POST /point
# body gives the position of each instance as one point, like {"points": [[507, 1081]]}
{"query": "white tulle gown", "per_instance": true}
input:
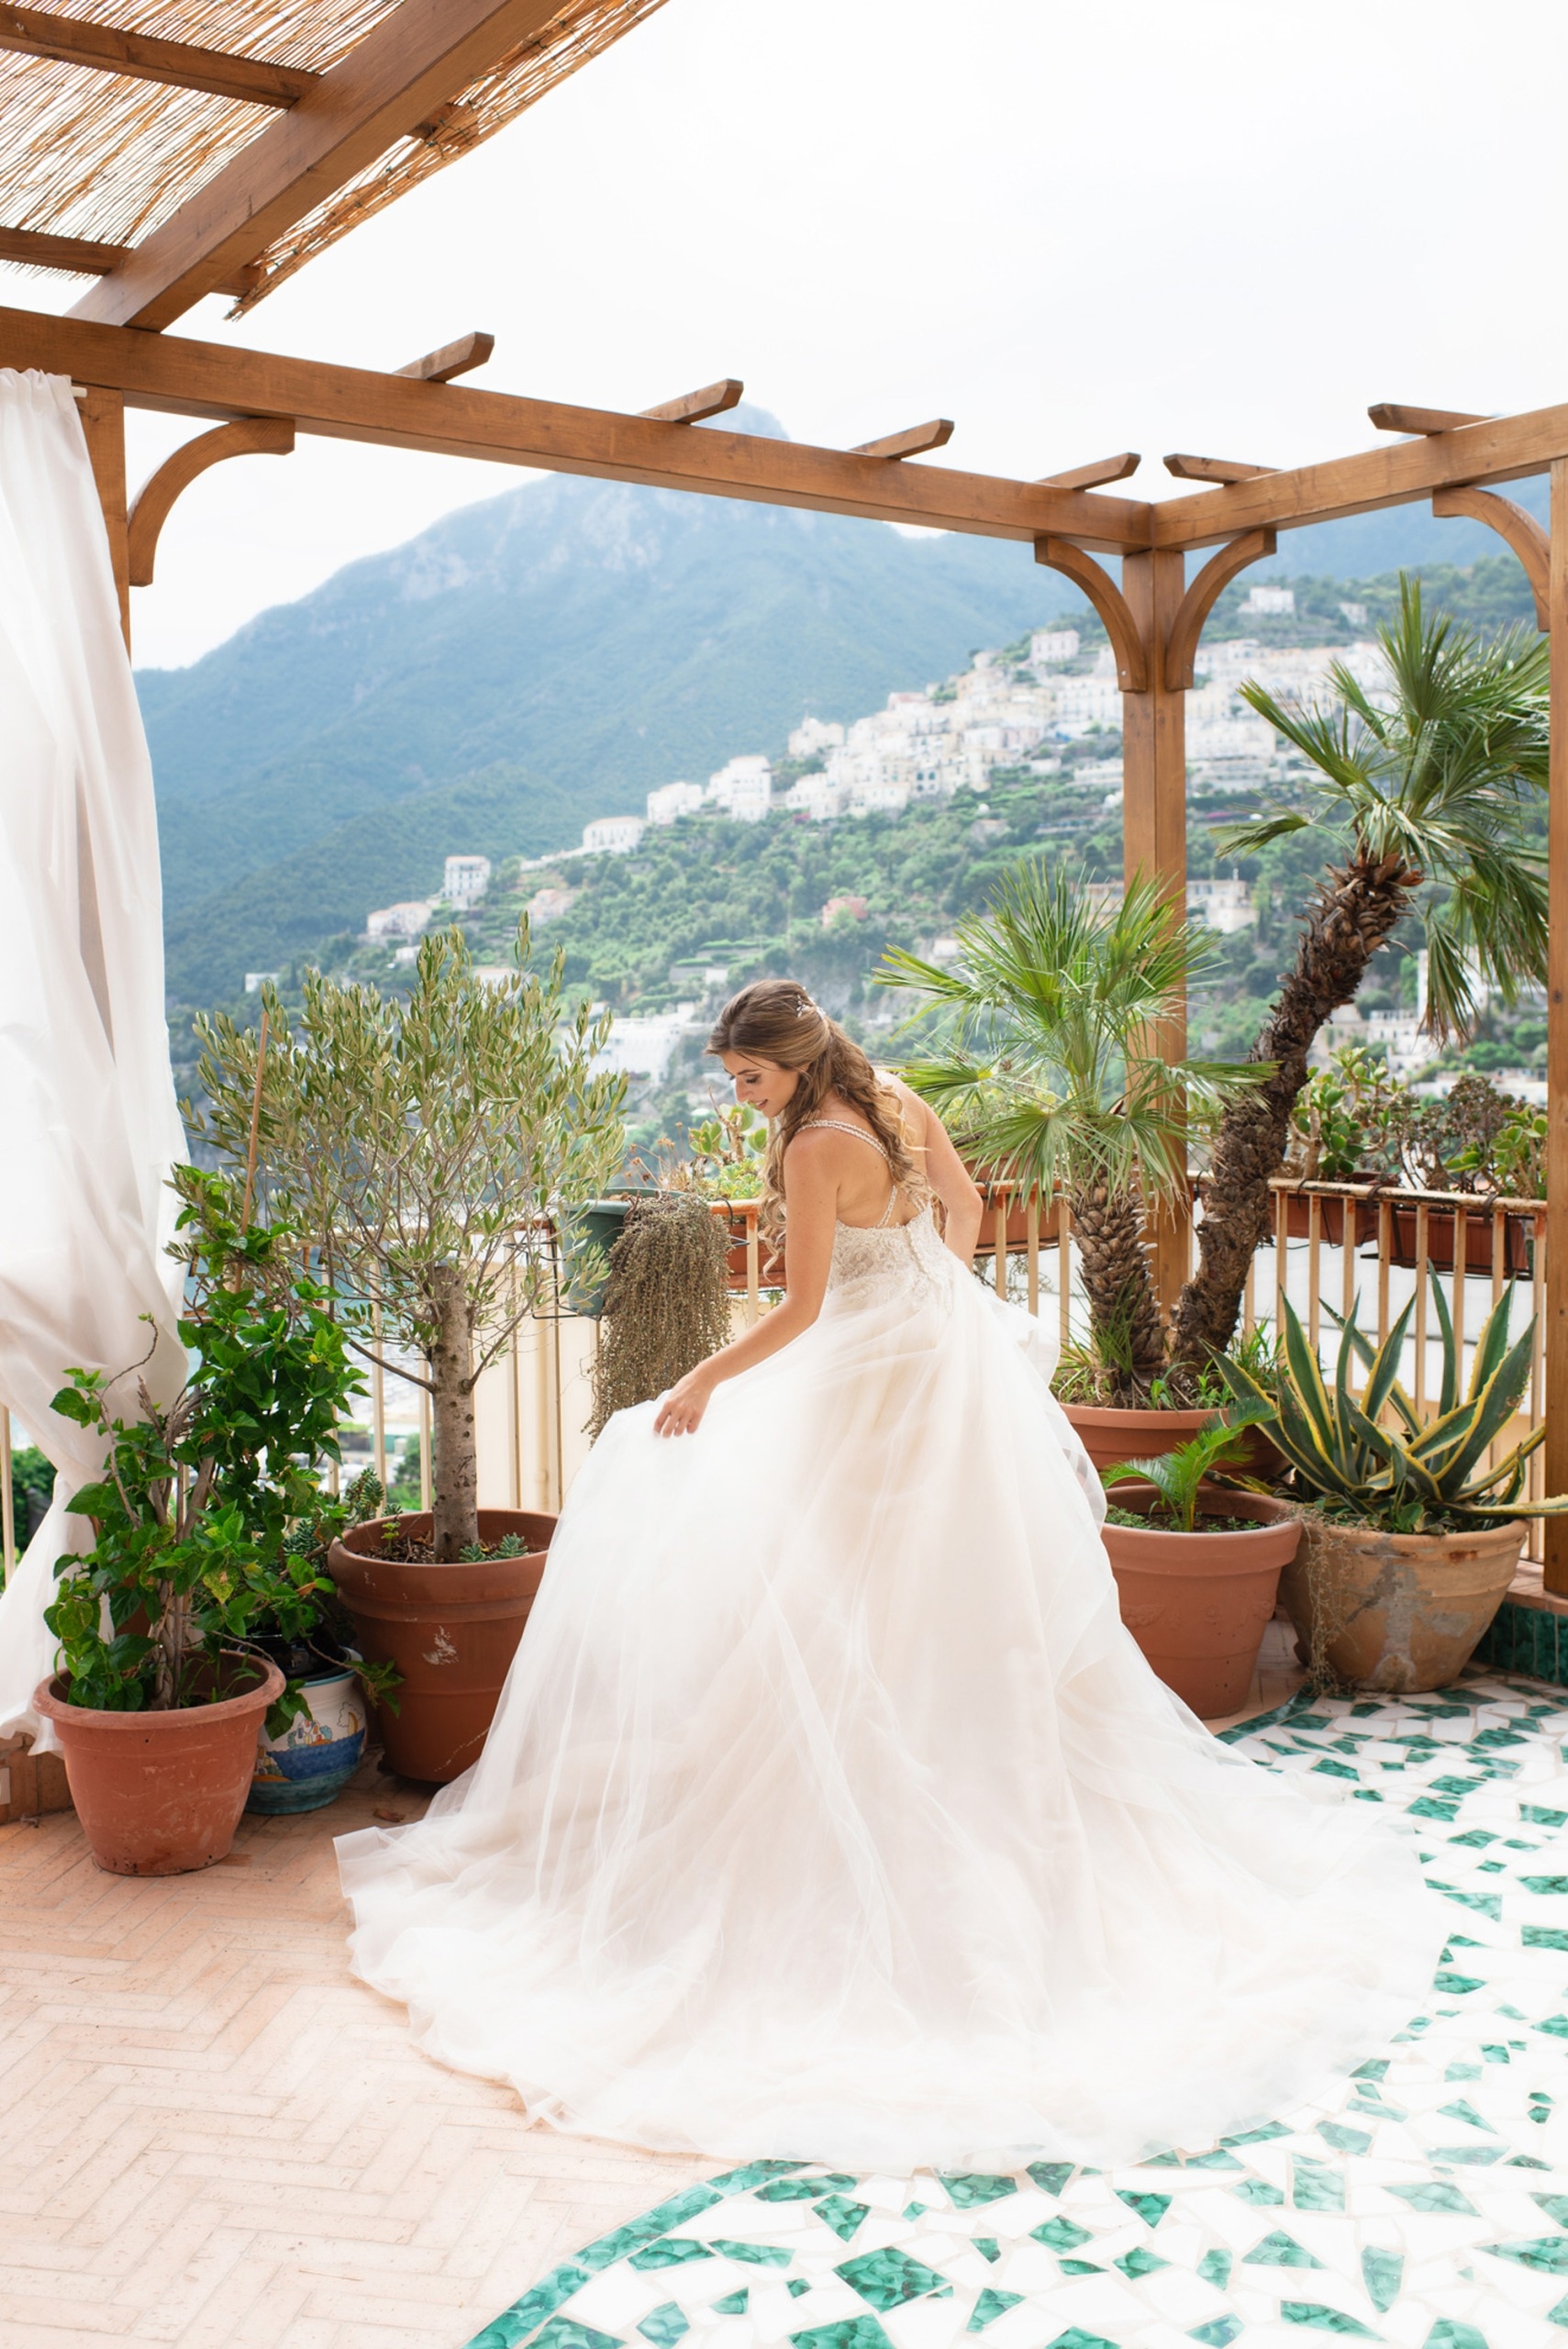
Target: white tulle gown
{"points": [[831, 1813]]}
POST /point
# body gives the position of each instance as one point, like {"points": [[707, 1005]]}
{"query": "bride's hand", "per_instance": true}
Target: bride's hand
{"points": [[682, 1409]]}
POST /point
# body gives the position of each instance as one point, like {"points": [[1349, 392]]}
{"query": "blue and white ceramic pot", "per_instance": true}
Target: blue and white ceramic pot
{"points": [[319, 1751]]}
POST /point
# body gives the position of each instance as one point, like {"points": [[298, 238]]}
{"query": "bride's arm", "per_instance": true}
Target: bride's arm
{"points": [[811, 1197]]}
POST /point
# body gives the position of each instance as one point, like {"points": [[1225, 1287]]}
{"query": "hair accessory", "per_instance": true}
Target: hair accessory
{"points": [[805, 1005]]}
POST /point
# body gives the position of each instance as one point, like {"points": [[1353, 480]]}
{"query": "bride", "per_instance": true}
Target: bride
{"points": [[829, 1812]]}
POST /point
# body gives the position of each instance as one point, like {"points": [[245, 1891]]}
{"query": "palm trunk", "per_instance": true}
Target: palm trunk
{"points": [[1131, 1340], [1354, 911], [455, 1469]]}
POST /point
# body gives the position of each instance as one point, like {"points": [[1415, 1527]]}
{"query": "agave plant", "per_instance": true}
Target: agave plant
{"points": [[1416, 1476]]}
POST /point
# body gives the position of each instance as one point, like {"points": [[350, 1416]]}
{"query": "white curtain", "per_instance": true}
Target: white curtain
{"points": [[88, 1121]]}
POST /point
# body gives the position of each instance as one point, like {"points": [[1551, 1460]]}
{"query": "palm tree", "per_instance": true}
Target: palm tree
{"points": [[1429, 792], [1051, 1074]]}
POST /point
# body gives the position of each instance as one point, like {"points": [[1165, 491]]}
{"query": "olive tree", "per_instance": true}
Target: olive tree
{"points": [[432, 1151]]}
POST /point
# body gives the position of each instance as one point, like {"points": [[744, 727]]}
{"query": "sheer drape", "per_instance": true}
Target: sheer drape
{"points": [[90, 1122]]}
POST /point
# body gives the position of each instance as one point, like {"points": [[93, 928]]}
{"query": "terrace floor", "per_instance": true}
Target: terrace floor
{"points": [[216, 2137]]}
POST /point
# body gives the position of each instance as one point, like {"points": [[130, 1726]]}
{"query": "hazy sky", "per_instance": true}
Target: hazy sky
{"points": [[1165, 224]]}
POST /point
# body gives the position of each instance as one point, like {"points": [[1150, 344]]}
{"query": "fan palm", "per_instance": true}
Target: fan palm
{"points": [[1048, 1072], [1428, 791]]}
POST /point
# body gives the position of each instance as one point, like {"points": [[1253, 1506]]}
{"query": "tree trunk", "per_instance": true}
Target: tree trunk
{"points": [[455, 1469], [1129, 1331], [1351, 914]]}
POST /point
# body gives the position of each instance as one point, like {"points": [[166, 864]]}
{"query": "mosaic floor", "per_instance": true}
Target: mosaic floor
{"points": [[1427, 2207]]}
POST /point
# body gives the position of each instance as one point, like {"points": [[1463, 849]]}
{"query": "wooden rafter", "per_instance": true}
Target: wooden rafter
{"points": [[1095, 475], [189, 378], [401, 75], [252, 436], [81, 257], [911, 442], [1389, 417], [459, 358], [692, 407], [1217, 469], [113, 49]]}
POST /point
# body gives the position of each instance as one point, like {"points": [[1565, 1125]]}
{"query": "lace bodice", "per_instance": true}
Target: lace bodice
{"points": [[875, 1262]]}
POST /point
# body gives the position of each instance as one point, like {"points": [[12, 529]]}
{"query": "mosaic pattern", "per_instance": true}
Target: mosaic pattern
{"points": [[1532, 1640], [1427, 2206]]}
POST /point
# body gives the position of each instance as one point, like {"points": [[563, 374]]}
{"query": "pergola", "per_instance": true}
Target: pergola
{"points": [[222, 162]]}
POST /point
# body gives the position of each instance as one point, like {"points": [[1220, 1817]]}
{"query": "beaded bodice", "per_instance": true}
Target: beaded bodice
{"points": [[876, 1263]]}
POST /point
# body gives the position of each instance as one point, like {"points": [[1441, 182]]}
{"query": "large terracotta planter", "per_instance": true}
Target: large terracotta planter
{"points": [[1405, 1611], [1197, 1603], [451, 1630], [161, 1794], [1110, 1436]]}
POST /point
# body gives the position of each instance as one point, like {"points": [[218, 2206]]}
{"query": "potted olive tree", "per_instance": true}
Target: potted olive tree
{"points": [[1045, 1062], [436, 1151], [1410, 1531], [162, 1687]]}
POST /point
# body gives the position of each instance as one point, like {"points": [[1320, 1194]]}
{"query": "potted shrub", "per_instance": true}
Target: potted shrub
{"points": [[1429, 792], [161, 1692], [1197, 1565], [436, 1151], [1047, 1021], [1409, 1541]]}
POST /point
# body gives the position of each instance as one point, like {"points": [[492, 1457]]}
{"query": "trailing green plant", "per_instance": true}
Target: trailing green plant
{"points": [[192, 1516], [1043, 1057], [436, 1151], [1428, 792], [1370, 1460], [1178, 1476], [667, 1303]]}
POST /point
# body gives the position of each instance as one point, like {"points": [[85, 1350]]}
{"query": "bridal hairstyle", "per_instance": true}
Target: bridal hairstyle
{"points": [[777, 1020]]}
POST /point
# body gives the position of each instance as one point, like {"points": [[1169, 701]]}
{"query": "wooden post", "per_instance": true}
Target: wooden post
{"points": [[1155, 824], [1555, 1464], [103, 421]]}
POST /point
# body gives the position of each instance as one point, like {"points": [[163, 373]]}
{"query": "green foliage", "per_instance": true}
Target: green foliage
{"points": [[192, 1516], [1407, 1478], [1177, 1476], [32, 1488], [1438, 784], [725, 1155], [1344, 1116], [1044, 1032]]}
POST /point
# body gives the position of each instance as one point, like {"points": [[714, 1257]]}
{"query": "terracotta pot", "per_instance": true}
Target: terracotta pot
{"points": [[1110, 1436], [1405, 1610], [1017, 1230], [1197, 1603], [1443, 1240], [770, 1266], [1331, 1216], [451, 1630], [160, 1794]]}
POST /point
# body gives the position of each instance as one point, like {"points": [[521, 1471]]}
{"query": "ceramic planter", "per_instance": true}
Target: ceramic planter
{"points": [[1110, 1436], [161, 1794], [1405, 1611], [319, 1751], [451, 1630], [1197, 1603]]}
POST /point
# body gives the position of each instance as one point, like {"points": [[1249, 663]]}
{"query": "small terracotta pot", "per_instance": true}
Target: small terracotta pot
{"points": [[1197, 1603], [451, 1630], [161, 1794], [1110, 1436], [1405, 1610]]}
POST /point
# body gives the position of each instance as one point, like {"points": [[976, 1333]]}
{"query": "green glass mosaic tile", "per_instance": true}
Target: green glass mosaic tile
{"points": [[1382, 2273], [1059, 2234], [760, 2254], [1218, 2333], [1280, 2250], [1150, 2207], [1215, 2269], [850, 2332], [733, 2303], [971, 2188], [842, 2216], [565, 2332], [1550, 2254], [674, 2252], [1324, 2319], [664, 2326], [988, 2247], [1140, 2262], [888, 2278], [1051, 2177], [990, 2305], [1453, 2333]]}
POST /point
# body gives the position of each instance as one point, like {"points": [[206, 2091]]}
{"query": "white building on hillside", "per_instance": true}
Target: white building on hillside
{"points": [[1263, 598], [465, 881], [817, 795], [403, 920], [548, 903], [672, 800], [1225, 906], [743, 787], [613, 835], [1048, 646], [814, 735]]}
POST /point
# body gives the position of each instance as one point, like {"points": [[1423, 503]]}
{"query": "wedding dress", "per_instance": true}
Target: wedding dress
{"points": [[831, 1813]]}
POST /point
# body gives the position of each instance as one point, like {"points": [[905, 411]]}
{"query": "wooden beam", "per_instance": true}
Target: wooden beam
{"points": [[83, 258], [253, 435], [935, 435], [1126, 642], [102, 422], [1389, 417], [1499, 449], [459, 358], [692, 407], [1094, 475], [1555, 1334], [1519, 529], [189, 378], [419, 56], [79, 40], [1220, 469], [1186, 629]]}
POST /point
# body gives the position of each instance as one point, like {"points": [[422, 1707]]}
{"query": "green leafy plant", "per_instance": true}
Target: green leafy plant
{"points": [[1045, 1061], [1429, 793], [1178, 1476], [434, 1151], [1409, 1476], [191, 1515], [1349, 1118]]}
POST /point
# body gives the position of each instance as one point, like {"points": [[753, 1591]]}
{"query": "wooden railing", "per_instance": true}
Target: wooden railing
{"points": [[531, 1405]]}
